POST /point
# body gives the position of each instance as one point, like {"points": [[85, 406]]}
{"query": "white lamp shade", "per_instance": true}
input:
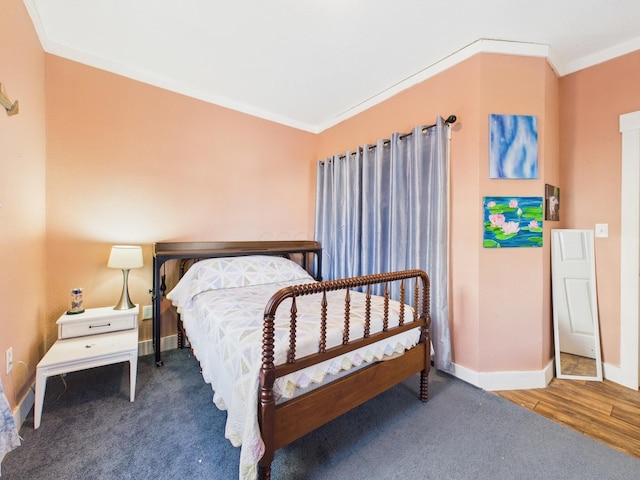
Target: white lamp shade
{"points": [[125, 257]]}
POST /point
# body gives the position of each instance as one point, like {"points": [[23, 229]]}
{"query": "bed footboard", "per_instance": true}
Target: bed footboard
{"points": [[281, 424]]}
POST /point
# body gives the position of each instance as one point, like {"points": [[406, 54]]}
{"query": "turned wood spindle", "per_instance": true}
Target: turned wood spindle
{"points": [[367, 313], [323, 323], [291, 357], [347, 320]]}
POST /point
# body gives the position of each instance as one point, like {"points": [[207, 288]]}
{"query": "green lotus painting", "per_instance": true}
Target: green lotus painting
{"points": [[513, 222]]}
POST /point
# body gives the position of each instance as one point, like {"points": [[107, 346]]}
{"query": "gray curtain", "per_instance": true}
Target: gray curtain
{"points": [[384, 208]]}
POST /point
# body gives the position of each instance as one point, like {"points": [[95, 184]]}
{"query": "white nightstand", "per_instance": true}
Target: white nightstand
{"points": [[96, 337]]}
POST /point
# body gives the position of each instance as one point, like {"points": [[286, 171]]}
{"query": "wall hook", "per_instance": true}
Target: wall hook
{"points": [[12, 108]]}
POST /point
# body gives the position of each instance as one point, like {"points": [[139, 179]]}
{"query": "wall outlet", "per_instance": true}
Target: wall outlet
{"points": [[602, 230], [9, 358], [147, 312]]}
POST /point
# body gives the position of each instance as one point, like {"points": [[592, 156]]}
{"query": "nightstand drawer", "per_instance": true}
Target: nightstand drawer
{"points": [[97, 320]]}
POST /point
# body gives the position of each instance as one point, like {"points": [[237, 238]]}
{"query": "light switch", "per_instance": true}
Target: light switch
{"points": [[602, 230]]}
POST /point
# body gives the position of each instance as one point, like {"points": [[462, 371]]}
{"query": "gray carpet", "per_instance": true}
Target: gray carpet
{"points": [[172, 430]]}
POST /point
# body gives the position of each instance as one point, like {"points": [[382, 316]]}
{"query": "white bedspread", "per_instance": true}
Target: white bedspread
{"points": [[224, 327]]}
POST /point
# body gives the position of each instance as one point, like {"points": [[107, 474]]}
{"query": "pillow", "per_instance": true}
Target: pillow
{"points": [[232, 272], [180, 293]]}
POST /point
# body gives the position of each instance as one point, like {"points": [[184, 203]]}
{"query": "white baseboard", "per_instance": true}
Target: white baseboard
{"points": [[24, 407], [614, 374], [524, 380], [512, 380], [166, 343]]}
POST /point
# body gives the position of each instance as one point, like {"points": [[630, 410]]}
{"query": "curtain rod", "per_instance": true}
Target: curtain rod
{"points": [[450, 119]]}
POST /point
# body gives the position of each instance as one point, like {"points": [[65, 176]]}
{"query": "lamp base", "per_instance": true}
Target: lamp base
{"points": [[125, 302]]}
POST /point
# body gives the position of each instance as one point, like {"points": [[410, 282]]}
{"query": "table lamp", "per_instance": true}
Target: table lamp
{"points": [[125, 257]]}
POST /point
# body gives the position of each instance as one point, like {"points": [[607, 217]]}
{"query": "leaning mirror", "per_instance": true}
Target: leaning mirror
{"points": [[575, 308]]}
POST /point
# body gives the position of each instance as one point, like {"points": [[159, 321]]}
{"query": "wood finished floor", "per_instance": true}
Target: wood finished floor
{"points": [[604, 411]]}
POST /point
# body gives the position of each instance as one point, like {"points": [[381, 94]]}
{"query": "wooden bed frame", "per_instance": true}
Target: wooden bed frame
{"points": [[281, 424]]}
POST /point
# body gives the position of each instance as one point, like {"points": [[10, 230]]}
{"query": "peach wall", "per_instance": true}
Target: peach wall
{"points": [[500, 315], [131, 163], [592, 102], [514, 283], [22, 186]]}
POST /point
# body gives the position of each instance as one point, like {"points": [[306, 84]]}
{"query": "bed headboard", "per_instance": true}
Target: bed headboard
{"points": [[165, 251]]}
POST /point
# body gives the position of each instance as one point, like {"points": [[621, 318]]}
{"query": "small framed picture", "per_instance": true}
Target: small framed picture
{"points": [[552, 202]]}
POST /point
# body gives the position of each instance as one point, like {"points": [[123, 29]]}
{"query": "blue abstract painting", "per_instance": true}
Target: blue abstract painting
{"points": [[513, 146], [512, 222]]}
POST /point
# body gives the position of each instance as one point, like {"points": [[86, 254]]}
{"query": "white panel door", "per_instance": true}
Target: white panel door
{"points": [[574, 292]]}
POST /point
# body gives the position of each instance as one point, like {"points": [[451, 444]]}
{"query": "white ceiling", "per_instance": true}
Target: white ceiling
{"points": [[311, 64]]}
